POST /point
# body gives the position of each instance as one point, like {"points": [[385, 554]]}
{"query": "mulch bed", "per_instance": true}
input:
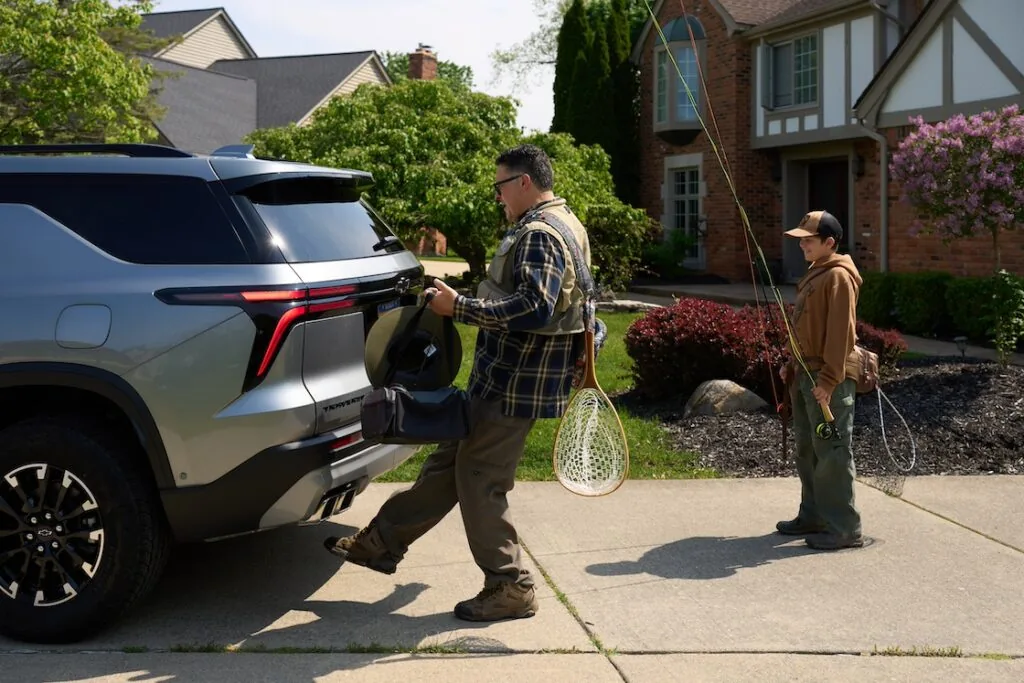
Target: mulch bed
{"points": [[967, 417]]}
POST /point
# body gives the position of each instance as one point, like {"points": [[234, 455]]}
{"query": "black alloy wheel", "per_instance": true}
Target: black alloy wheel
{"points": [[51, 535]]}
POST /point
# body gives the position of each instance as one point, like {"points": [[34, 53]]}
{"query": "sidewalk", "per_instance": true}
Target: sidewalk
{"points": [[660, 581]]}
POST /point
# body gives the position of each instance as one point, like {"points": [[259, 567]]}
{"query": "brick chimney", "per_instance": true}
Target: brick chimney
{"points": [[423, 64]]}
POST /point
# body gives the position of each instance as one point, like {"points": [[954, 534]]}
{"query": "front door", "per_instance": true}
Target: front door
{"points": [[828, 189]]}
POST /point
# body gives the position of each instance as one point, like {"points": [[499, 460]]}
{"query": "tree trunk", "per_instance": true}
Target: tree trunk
{"points": [[995, 248]]}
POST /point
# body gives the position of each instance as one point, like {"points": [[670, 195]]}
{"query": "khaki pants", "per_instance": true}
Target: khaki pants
{"points": [[826, 468], [476, 473]]}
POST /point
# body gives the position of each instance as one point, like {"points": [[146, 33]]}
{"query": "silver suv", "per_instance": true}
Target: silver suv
{"points": [[182, 360]]}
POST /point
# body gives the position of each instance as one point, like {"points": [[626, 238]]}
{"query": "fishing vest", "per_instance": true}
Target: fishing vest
{"points": [[500, 281]]}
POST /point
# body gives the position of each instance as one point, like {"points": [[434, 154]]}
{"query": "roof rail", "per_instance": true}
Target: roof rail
{"points": [[127, 149], [243, 151]]}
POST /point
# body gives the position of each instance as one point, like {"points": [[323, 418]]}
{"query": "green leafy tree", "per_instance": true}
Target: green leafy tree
{"points": [[431, 148], [618, 233], [397, 65], [70, 71]]}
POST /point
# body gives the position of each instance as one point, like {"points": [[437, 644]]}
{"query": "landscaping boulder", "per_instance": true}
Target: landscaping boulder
{"points": [[625, 306], [722, 397]]}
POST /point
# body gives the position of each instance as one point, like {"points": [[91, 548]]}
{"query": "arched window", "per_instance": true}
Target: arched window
{"points": [[677, 106]]}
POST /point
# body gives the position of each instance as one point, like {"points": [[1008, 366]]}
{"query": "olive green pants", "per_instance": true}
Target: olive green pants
{"points": [[476, 473], [826, 467]]}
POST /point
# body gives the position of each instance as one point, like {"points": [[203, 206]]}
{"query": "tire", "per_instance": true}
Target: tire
{"points": [[83, 461]]}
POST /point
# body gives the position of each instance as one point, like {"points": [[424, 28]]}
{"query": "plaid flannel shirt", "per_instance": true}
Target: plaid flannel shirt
{"points": [[532, 373]]}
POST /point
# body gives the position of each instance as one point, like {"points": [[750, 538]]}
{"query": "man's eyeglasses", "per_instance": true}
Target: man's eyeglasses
{"points": [[497, 185]]}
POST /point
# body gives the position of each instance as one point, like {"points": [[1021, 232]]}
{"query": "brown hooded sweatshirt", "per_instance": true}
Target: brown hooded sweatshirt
{"points": [[826, 318]]}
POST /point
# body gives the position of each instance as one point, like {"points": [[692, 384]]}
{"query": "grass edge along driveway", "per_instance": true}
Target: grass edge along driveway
{"points": [[651, 454]]}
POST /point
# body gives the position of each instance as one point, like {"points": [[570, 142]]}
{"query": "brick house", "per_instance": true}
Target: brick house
{"points": [[807, 97]]}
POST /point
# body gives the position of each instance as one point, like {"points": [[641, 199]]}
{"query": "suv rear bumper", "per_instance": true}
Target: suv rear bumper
{"points": [[302, 481]]}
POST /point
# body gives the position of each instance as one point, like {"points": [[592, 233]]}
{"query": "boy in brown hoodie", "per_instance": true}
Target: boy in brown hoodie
{"points": [[825, 328]]}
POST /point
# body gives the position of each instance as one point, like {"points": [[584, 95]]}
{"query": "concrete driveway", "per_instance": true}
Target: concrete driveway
{"points": [[661, 581]]}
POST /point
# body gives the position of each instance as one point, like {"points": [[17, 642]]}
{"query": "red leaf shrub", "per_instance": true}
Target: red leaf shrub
{"points": [[888, 344], [677, 348]]}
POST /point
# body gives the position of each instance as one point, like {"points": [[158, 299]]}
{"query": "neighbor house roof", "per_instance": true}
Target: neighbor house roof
{"points": [[298, 83], [167, 24], [184, 22], [204, 109]]}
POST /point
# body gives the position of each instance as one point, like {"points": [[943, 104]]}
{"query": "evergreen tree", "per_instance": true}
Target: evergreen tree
{"points": [[625, 133], [599, 127], [573, 40]]}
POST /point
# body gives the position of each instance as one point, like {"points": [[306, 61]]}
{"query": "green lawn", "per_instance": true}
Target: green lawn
{"points": [[650, 453]]}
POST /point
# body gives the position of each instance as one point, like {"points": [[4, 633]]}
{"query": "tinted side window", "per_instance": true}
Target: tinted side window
{"points": [[318, 219], [145, 219]]}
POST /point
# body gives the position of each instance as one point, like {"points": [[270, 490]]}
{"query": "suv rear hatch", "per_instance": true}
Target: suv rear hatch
{"points": [[354, 269]]}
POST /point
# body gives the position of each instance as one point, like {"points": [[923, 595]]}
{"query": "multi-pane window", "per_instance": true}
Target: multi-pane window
{"points": [[685, 206], [793, 70], [662, 88], [686, 58], [678, 102], [805, 70]]}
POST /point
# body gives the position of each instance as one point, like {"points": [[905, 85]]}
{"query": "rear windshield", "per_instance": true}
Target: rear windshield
{"points": [[320, 219]]}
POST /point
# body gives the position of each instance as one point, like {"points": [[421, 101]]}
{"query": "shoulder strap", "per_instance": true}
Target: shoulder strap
{"points": [[582, 271]]}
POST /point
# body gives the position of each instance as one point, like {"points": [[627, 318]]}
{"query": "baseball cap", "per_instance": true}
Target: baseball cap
{"points": [[818, 224]]}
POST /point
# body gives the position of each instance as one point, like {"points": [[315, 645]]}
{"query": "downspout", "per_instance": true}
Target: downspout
{"points": [[883, 176], [883, 165]]}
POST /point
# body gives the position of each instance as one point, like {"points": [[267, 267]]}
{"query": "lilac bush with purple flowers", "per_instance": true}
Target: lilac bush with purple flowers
{"points": [[965, 175]]}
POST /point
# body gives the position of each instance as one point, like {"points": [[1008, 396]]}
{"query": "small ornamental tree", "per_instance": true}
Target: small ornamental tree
{"points": [[965, 175]]}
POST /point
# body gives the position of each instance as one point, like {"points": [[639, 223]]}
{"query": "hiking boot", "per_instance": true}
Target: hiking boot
{"points": [[365, 549], [503, 600], [799, 527], [830, 541]]}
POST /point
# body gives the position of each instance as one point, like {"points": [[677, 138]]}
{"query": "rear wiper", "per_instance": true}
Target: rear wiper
{"points": [[386, 242]]}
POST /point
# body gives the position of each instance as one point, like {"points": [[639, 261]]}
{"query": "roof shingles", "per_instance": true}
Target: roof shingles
{"points": [[204, 109], [297, 83], [167, 24], [756, 12]]}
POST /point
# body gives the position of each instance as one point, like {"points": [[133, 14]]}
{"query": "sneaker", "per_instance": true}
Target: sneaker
{"points": [[799, 527], [830, 541], [503, 600], [365, 549]]}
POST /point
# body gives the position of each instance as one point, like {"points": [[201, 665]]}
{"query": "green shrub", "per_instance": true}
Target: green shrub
{"points": [[1008, 306], [618, 236], [876, 303], [664, 257], [920, 300], [969, 301]]}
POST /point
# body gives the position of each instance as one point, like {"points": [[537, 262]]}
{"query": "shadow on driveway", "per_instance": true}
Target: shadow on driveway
{"points": [[264, 592], [708, 557]]}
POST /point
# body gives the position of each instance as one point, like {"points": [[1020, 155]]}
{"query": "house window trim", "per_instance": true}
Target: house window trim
{"points": [[672, 78], [767, 59]]}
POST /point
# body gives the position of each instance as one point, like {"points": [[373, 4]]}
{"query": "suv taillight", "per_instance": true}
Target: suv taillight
{"points": [[273, 311]]}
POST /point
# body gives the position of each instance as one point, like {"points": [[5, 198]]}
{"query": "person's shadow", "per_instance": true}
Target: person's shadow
{"points": [[708, 557]]}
